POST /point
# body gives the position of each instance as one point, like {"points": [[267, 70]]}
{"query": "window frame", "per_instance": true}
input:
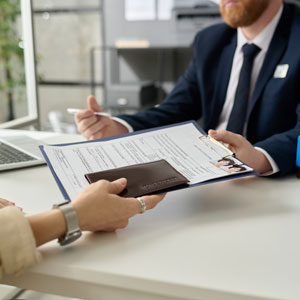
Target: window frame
{"points": [[32, 117]]}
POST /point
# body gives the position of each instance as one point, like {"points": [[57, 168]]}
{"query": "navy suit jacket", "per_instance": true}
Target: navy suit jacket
{"points": [[274, 112]]}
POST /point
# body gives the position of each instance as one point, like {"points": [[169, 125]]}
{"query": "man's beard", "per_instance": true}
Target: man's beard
{"points": [[244, 13]]}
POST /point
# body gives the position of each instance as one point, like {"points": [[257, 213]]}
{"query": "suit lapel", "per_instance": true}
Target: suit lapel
{"points": [[222, 81], [273, 56]]}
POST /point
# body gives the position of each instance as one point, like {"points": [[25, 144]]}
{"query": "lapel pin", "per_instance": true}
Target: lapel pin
{"points": [[281, 71]]}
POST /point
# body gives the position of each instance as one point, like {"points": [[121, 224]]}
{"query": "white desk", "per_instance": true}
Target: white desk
{"points": [[237, 239]]}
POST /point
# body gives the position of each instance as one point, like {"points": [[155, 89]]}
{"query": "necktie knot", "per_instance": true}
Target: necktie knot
{"points": [[250, 50]]}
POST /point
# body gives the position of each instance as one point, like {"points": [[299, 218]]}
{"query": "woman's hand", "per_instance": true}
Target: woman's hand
{"points": [[99, 207]]}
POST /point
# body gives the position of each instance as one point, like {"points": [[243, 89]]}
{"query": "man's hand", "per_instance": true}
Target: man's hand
{"points": [[99, 208], [243, 150], [96, 127]]}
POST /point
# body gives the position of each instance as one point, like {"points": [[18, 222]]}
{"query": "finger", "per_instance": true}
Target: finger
{"points": [[85, 124], [120, 225], [108, 230], [93, 105], [150, 201], [97, 136], [226, 137], [83, 114], [98, 125], [94, 129], [153, 200], [117, 186], [124, 224]]}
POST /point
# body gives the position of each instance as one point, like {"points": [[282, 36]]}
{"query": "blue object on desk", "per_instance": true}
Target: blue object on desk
{"points": [[298, 158]]}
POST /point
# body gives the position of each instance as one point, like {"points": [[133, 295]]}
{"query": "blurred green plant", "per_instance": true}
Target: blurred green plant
{"points": [[11, 54]]}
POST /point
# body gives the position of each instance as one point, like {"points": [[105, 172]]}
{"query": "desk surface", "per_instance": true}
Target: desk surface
{"points": [[235, 239]]}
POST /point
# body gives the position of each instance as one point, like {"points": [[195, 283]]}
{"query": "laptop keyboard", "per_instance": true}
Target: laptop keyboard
{"points": [[10, 154]]}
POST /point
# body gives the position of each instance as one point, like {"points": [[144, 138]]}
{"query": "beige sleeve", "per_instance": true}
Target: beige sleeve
{"points": [[17, 243]]}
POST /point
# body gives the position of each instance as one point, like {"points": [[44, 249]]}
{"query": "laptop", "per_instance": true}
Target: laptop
{"points": [[19, 151]]}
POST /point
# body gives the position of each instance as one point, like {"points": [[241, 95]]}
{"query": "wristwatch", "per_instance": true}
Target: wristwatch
{"points": [[73, 230]]}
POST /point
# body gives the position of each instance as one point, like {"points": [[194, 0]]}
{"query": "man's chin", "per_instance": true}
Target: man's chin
{"points": [[242, 14], [237, 18], [232, 20], [232, 13]]}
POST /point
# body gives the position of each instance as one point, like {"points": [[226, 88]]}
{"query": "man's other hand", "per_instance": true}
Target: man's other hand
{"points": [[243, 150], [96, 127]]}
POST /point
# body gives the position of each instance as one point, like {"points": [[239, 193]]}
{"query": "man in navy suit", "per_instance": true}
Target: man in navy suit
{"points": [[214, 86]]}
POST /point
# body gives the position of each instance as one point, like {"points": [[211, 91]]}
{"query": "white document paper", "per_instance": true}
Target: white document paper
{"points": [[140, 10], [183, 146]]}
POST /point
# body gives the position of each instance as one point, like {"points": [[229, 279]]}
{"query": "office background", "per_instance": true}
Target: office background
{"points": [[128, 55], [119, 52], [66, 33]]}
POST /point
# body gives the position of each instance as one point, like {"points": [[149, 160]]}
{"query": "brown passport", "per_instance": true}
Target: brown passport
{"points": [[143, 179]]}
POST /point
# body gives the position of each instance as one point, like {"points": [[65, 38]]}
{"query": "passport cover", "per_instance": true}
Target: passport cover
{"points": [[143, 179]]}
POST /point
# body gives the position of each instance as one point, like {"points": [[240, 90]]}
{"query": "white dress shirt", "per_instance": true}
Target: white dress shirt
{"points": [[263, 41]]}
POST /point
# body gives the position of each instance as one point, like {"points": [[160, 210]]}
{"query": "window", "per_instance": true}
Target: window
{"points": [[19, 105]]}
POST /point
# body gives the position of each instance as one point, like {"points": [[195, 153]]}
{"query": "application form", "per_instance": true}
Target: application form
{"points": [[188, 150]]}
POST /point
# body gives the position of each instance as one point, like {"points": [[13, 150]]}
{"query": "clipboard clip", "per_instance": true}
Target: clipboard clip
{"points": [[221, 144]]}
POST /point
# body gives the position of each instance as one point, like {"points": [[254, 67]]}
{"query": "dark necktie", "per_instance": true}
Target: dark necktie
{"points": [[238, 114]]}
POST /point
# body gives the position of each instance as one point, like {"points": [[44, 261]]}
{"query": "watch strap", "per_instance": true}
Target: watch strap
{"points": [[73, 230]]}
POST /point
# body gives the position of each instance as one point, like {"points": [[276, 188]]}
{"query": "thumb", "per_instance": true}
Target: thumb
{"points": [[224, 136], [92, 103], [117, 186]]}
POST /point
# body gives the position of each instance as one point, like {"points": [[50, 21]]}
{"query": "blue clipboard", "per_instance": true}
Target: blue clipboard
{"points": [[227, 177]]}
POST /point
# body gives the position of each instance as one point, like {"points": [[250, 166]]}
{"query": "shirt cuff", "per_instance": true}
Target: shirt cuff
{"points": [[124, 123], [272, 162]]}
